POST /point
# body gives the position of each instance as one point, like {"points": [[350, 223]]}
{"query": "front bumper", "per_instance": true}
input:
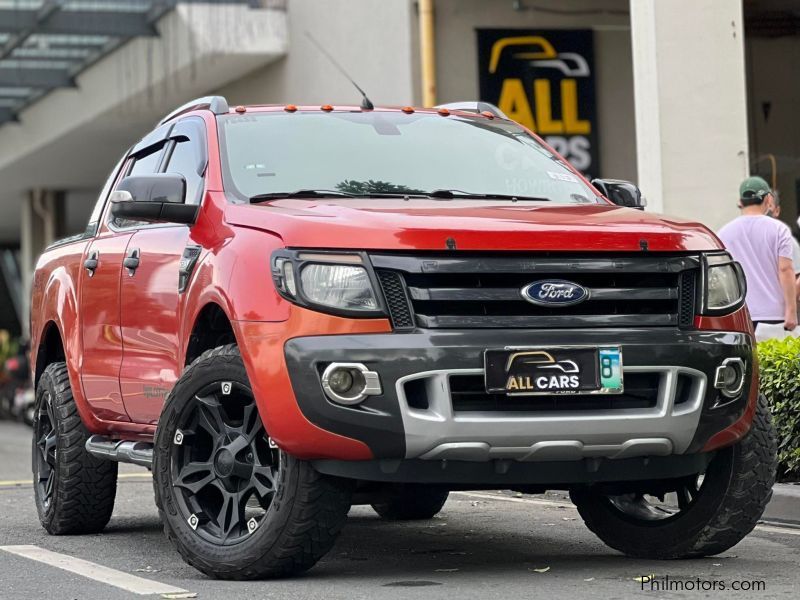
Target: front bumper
{"points": [[685, 413]]}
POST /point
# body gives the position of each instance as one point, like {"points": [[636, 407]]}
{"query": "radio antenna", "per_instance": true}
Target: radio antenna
{"points": [[366, 104]]}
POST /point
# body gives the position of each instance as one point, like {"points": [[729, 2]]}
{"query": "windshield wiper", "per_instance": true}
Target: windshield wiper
{"points": [[455, 194], [299, 194], [445, 194], [333, 193]]}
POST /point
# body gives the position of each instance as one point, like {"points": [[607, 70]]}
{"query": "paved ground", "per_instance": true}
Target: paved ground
{"points": [[484, 545]]}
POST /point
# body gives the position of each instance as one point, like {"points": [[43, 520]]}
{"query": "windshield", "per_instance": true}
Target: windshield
{"points": [[388, 152]]}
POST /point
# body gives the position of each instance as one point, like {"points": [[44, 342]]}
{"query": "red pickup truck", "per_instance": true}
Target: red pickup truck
{"points": [[284, 311]]}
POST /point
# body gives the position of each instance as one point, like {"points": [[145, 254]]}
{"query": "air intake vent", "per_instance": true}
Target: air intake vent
{"points": [[688, 295], [396, 299], [468, 394]]}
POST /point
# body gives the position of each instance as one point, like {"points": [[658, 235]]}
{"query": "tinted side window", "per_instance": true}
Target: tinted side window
{"points": [[97, 212], [144, 165], [184, 161], [189, 156]]}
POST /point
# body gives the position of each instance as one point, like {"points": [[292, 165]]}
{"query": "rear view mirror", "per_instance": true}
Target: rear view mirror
{"points": [[157, 198], [621, 193]]}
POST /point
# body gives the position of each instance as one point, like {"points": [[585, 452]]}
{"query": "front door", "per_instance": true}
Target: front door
{"points": [[150, 320], [151, 301]]}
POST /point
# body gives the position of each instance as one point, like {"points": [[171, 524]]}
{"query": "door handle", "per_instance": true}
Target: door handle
{"points": [[131, 261], [91, 263]]}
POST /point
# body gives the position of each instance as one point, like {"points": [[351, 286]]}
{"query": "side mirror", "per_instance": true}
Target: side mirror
{"points": [[157, 198], [621, 193]]}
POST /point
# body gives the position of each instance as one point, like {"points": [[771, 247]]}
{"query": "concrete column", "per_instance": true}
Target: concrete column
{"points": [[38, 228], [691, 106]]}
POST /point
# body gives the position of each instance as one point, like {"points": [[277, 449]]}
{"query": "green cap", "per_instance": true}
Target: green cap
{"points": [[754, 187]]}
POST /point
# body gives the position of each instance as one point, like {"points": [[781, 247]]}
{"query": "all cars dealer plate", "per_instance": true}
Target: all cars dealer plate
{"points": [[555, 370]]}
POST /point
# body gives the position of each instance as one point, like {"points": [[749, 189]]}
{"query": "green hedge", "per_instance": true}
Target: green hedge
{"points": [[780, 382]]}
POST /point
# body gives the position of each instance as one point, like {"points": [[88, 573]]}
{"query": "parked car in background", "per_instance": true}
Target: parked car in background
{"points": [[16, 392]]}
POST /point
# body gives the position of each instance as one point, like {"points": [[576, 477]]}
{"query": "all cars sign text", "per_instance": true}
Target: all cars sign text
{"points": [[544, 80]]}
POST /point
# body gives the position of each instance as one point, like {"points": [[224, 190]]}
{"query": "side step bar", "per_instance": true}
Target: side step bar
{"points": [[137, 453]]}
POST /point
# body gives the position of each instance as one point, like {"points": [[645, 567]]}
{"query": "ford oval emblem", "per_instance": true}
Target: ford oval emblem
{"points": [[554, 292]]}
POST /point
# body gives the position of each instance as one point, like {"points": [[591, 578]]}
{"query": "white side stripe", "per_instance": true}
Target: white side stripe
{"points": [[124, 581], [520, 500], [778, 529]]}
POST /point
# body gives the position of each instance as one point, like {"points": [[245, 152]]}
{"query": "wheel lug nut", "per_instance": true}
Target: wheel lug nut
{"points": [[252, 525]]}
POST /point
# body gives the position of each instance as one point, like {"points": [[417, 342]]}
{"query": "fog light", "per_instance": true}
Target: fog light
{"points": [[350, 383], [729, 378], [340, 381]]}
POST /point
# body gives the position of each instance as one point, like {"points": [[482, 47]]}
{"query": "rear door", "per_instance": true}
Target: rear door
{"points": [[151, 301], [102, 339]]}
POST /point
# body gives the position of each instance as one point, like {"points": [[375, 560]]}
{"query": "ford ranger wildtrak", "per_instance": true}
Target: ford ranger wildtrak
{"points": [[287, 310]]}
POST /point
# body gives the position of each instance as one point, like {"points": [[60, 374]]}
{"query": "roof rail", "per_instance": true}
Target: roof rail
{"points": [[476, 107], [216, 104]]}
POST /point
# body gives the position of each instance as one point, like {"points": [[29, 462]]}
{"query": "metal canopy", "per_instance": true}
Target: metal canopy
{"points": [[44, 44]]}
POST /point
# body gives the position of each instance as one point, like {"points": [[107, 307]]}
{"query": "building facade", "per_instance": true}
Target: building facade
{"points": [[685, 97]]}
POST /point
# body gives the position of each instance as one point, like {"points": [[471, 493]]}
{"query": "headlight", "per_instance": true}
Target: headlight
{"points": [[323, 280], [725, 285], [339, 286]]}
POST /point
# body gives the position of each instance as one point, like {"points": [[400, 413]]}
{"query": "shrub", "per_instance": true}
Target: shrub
{"points": [[8, 348], [780, 383]]}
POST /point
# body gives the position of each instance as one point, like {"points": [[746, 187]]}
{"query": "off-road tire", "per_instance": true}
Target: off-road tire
{"points": [[302, 522], [85, 487], [411, 502], [719, 519]]}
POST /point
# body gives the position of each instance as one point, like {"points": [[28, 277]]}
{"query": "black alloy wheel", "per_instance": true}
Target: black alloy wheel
{"points": [[694, 516], [233, 504], [646, 508], [45, 439], [73, 490], [223, 469]]}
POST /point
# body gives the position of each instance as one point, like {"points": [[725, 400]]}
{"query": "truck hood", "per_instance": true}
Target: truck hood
{"points": [[420, 224]]}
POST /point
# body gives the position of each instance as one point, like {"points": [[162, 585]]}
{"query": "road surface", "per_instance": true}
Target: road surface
{"points": [[487, 545]]}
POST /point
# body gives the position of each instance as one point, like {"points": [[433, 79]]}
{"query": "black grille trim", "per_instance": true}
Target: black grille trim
{"points": [[436, 263], [484, 291], [394, 291]]}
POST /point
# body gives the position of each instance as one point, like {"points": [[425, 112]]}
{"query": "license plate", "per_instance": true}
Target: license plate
{"points": [[559, 370]]}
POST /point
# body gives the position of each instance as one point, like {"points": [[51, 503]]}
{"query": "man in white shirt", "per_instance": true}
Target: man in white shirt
{"points": [[763, 246]]}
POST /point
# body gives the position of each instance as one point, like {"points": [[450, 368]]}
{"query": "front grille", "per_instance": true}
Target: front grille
{"points": [[468, 394], [484, 291]]}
